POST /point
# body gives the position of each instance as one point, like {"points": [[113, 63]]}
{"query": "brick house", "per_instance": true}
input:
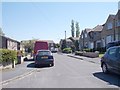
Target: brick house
{"points": [[69, 43], [111, 29], [8, 43], [51, 44], [95, 37], [117, 26], [84, 39]]}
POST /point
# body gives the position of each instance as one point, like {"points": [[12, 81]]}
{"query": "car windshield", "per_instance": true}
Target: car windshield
{"points": [[44, 53]]}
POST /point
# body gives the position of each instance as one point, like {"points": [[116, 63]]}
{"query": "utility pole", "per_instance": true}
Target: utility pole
{"points": [[65, 35], [65, 39]]}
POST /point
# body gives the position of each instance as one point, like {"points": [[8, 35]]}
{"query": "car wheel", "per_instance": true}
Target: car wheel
{"points": [[104, 68], [53, 64]]}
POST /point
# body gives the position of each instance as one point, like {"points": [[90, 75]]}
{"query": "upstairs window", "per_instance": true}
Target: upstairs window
{"points": [[85, 35], [118, 23], [82, 36], [109, 25]]}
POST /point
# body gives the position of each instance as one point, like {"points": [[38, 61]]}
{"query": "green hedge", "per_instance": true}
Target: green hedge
{"points": [[7, 55], [67, 50], [101, 50]]}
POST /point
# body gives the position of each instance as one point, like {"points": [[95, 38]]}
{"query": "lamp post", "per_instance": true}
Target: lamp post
{"points": [[65, 40]]}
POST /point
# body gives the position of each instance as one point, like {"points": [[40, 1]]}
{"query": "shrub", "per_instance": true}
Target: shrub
{"points": [[87, 50], [67, 50], [7, 55]]}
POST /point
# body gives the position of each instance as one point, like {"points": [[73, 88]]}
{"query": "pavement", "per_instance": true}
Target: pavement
{"points": [[19, 71], [92, 60]]}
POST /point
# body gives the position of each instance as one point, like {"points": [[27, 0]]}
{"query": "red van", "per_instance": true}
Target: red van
{"points": [[40, 45]]}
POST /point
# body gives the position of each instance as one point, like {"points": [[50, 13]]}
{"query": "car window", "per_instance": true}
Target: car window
{"points": [[44, 53], [112, 52]]}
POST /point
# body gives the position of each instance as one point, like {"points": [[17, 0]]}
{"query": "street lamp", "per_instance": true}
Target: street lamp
{"points": [[65, 39]]}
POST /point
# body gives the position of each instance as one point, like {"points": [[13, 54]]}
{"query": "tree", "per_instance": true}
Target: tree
{"points": [[57, 45], [72, 28], [77, 29], [63, 45], [77, 45]]}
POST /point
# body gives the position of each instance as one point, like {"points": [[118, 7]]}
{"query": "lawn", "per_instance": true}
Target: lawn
{"points": [[100, 55]]}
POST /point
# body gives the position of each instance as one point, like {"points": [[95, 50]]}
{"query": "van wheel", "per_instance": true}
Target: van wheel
{"points": [[104, 68]]}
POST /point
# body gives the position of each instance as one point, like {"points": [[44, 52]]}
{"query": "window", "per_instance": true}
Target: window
{"points": [[112, 52], [108, 39], [82, 36], [118, 23], [85, 35], [109, 25], [44, 53]]}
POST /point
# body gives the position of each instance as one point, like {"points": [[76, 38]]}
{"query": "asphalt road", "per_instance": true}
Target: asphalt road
{"points": [[68, 72]]}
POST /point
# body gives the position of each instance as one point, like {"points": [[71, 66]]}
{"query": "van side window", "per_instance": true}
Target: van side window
{"points": [[112, 52]]}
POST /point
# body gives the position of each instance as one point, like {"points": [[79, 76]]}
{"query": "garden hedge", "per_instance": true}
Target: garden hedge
{"points": [[7, 55], [67, 50]]}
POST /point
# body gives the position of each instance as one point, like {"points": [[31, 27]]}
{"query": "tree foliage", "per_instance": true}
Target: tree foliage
{"points": [[63, 44], [72, 28], [77, 29]]}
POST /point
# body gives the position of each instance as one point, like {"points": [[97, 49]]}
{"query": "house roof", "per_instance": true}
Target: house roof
{"points": [[98, 28], [10, 39], [111, 16], [87, 30], [118, 14]]}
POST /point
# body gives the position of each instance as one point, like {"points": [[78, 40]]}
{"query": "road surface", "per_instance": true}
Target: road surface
{"points": [[68, 72]]}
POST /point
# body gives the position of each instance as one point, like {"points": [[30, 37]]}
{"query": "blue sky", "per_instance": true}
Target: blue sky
{"points": [[49, 20]]}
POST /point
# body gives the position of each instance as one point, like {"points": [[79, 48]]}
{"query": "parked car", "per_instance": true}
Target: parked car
{"points": [[111, 44], [110, 62], [44, 57]]}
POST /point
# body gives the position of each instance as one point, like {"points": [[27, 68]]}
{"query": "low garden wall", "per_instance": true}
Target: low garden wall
{"points": [[91, 54], [87, 54]]}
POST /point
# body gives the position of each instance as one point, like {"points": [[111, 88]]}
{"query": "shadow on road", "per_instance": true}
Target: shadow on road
{"points": [[32, 65], [111, 79], [25, 59]]}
